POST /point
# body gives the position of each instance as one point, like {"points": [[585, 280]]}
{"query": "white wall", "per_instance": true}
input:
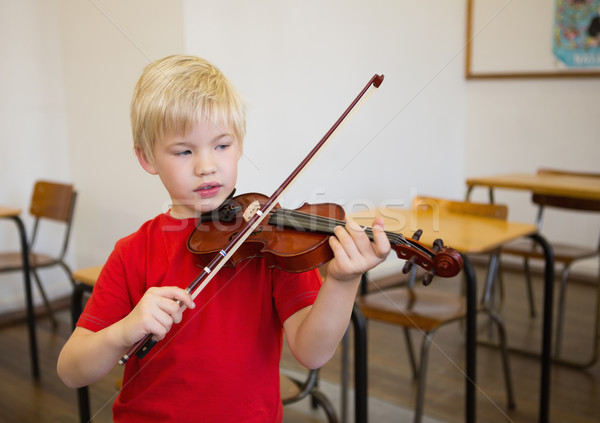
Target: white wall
{"points": [[300, 64], [523, 125], [66, 90], [106, 44], [32, 122]]}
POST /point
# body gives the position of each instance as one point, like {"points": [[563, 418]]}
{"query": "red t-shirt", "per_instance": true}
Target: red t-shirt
{"points": [[221, 363]]}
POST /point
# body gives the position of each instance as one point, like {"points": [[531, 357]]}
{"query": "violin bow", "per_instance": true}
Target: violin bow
{"points": [[253, 218]]}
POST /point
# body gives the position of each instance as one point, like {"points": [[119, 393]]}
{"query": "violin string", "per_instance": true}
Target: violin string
{"points": [[395, 238], [326, 224]]}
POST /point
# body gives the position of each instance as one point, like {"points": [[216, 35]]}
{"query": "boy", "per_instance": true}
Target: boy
{"points": [[221, 363]]}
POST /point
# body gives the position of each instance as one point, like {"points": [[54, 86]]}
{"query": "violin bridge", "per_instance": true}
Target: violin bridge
{"points": [[251, 210]]}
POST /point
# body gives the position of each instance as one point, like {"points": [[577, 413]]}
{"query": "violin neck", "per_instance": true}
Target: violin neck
{"points": [[301, 221], [307, 222]]}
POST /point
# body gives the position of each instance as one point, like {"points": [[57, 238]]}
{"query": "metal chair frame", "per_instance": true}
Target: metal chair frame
{"points": [[49, 201], [309, 387]]}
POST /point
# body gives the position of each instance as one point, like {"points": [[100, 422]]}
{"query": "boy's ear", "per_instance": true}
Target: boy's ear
{"points": [[144, 162]]}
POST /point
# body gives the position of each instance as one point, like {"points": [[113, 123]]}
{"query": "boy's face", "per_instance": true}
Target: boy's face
{"points": [[198, 169]]}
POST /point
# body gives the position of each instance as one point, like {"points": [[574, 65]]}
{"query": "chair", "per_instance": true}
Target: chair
{"points": [[49, 201], [567, 254], [292, 389], [427, 309]]}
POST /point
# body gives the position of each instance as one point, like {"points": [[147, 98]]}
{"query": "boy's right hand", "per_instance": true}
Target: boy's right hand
{"points": [[155, 313]]}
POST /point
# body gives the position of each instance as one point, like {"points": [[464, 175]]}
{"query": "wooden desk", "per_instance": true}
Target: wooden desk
{"points": [[465, 233], [561, 185], [15, 215], [468, 235]]}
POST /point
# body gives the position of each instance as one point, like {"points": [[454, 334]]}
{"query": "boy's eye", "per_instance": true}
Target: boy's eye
{"points": [[183, 153], [222, 146]]}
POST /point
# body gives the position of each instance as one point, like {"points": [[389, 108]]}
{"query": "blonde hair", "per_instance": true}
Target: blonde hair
{"points": [[174, 92]]}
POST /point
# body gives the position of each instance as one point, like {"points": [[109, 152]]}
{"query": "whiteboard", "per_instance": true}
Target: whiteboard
{"points": [[513, 38]]}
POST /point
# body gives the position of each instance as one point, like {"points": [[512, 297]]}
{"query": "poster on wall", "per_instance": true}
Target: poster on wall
{"points": [[577, 33]]}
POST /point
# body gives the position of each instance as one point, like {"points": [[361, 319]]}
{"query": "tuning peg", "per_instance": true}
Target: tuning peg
{"points": [[427, 278], [417, 234], [408, 265], [438, 244]]}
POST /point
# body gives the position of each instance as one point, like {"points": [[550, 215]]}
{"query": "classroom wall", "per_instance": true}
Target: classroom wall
{"points": [[65, 99], [33, 121], [300, 65], [66, 92], [522, 125]]}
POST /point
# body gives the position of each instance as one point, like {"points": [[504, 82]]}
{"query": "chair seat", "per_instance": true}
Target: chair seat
{"points": [[14, 261], [419, 308], [288, 388], [563, 253], [88, 275]]}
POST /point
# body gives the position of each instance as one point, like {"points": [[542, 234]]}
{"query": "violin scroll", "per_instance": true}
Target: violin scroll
{"points": [[438, 260]]}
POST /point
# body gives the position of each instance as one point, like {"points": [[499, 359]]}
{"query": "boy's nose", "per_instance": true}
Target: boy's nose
{"points": [[205, 166]]}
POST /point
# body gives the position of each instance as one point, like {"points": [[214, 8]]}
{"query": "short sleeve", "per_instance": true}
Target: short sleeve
{"points": [[109, 301], [294, 291]]}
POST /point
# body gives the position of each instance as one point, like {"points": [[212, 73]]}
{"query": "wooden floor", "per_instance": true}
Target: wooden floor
{"points": [[575, 394]]}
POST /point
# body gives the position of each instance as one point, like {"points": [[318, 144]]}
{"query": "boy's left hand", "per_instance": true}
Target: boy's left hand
{"points": [[354, 252]]}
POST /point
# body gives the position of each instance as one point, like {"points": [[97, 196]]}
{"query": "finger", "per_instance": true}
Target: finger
{"points": [[169, 306], [381, 243], [337, 248], [184, 299], [359, 237], [362, 246], [161, 307], [167, 314], [176, 294], [378, 246], [177, 316], [159, 325], [345, 241]]}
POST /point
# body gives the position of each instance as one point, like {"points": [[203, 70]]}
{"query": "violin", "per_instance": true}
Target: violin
{"points": [[297, 240], [297, 250]]}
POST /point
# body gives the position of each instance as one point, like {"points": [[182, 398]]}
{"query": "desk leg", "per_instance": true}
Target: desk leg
{"points": [[470, 190], [76, 308], [547, 328], [28, 298], [471, 340], [360, 365], [360, 351], [344, 383]]}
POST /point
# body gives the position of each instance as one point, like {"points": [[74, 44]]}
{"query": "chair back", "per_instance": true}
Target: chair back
{"points": [[565, 203], [495, 211], [570, 203], [54, 201], [551, 171]]}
